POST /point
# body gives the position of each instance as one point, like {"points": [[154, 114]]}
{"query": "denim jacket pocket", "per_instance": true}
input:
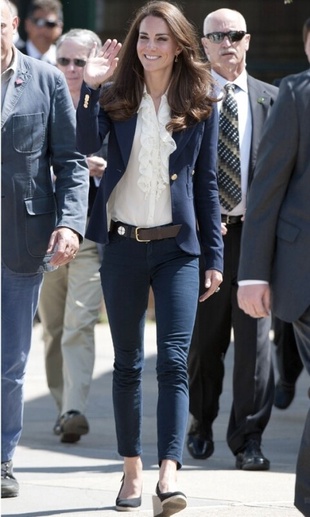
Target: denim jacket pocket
{"points": [[28, 132]]}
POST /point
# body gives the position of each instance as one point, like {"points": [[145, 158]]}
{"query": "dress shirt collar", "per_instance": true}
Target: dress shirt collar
{"points": [[241, 81], [11, 69], [49, 56], [7, 75]]}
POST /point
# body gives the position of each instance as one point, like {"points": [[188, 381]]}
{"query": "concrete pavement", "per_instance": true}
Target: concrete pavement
{"points": [[77, 480]]}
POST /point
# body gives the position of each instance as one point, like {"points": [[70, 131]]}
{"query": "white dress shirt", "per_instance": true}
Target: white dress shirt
{"points": [[142, 196]]}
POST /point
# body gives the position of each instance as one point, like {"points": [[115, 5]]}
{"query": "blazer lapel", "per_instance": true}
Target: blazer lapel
{"points": [[15, 90], [181, 138], [125, 132]]}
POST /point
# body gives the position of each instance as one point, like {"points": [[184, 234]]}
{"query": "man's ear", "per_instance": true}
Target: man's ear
{"points": [[204, 42], [247, 41]]}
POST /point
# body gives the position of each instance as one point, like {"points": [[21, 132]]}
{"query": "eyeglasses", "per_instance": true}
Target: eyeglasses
{"points": [[65, 61], [42, 22], [233, 36]]}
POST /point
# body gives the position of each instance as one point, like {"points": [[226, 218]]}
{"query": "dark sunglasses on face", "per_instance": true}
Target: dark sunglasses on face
{"points": [[42, 22], [64, 61], [218, 37]]}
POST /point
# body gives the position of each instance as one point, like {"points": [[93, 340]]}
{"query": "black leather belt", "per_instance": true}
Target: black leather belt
{"points": [[232, 219], [145, 234]]}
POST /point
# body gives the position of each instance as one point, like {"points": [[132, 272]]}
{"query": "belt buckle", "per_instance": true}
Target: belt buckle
{"points": [[228, 219], [137, 235]]}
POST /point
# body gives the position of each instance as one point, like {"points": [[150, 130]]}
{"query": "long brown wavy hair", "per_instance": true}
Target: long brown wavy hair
{"points": [[190, 91]]}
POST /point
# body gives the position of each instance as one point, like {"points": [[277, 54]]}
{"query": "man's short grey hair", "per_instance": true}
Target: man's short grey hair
{"points": [[82, 36], [13, 8]]}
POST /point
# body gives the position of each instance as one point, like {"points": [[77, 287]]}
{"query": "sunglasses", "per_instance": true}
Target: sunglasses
{"points": [[42, 22], [65, 61], [233, 36]]}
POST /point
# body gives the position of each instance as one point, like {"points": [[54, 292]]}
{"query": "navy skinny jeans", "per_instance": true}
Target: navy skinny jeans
{"points": [[128, 269]]}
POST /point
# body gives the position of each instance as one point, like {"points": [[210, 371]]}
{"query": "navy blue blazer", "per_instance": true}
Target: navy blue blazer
{"points": [[192, 170]]}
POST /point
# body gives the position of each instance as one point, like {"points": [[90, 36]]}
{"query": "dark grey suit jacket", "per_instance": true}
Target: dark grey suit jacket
{"points": [[276, 236], [38, 132], [261, 97]]}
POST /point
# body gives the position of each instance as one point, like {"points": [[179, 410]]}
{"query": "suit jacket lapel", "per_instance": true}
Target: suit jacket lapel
{"points": [[260, 102], [15, 90]]}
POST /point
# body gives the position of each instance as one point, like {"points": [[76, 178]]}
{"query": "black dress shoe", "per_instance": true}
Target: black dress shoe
{"points": [[251, 457], [168, 503], [127, 505], [284, 394], [199, 448], [57, 426], [72, 426], [9, 485]]}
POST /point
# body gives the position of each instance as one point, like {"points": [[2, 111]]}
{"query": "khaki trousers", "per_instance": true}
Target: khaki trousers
{"points": [[69, 308]]}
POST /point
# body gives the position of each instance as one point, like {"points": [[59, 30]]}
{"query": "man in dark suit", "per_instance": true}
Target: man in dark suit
{"points": [[289, 363], [41, 227], [226, 42], [43, 25], [274, 263]]}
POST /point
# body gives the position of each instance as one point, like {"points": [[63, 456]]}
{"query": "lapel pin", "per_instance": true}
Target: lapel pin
{"points": [[18, 81], [261, 100]]}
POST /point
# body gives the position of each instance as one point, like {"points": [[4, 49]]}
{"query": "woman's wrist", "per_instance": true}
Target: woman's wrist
{"points": [[93, 86]]}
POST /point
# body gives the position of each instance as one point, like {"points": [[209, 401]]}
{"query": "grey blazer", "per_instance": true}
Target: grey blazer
{"points": [[276, 236], [261, 97], [38, 132]]}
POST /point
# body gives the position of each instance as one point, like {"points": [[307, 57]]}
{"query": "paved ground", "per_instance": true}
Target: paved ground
{"points": [[83, 479]]}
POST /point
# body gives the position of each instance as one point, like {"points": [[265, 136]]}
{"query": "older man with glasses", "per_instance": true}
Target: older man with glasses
{"points": [[243, 110], [43, 25]]}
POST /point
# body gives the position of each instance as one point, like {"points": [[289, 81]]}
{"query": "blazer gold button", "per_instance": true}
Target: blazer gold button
{"points": [[86, 100], [174, 177]]}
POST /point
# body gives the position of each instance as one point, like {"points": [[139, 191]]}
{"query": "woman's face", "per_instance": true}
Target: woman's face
{"points": [[72, 50], [156, 46]]}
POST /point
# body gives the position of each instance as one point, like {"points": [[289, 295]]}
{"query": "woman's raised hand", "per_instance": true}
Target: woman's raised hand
{"points": [[101, 65]]}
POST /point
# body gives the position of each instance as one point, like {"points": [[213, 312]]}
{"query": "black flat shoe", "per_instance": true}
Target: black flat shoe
{"points": [[126, 505], [168, 503]]}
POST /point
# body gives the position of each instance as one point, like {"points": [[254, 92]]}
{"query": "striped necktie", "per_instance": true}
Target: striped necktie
{"points": [[229, 170]]}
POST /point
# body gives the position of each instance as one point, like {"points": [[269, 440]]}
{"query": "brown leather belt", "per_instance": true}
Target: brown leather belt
{"points": [[232, 219], [145, 234]]}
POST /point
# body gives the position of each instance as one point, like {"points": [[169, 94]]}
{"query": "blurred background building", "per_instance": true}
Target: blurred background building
{"points": [[276, 46]]}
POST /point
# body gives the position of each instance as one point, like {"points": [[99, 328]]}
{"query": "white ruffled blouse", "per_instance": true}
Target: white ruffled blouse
{"points": [[142, 196]]}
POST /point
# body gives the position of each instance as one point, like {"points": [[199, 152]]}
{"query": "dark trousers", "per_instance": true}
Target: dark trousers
{"points": [[253, 381], [288, 359], [128, 269], [302, 487]]}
